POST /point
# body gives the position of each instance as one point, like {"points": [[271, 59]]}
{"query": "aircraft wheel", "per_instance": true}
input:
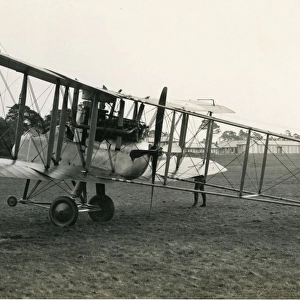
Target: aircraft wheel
{"points": [[12, 201], [107, 208], [63, 211]]}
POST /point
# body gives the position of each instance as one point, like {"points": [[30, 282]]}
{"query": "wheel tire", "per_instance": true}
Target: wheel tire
{"points": [[63, 211], [12, 201], [107, 208]]}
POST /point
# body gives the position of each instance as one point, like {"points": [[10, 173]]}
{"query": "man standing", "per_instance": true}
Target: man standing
{"points": [[199, 185]]}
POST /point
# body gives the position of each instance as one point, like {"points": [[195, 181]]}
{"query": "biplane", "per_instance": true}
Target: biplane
{"points": [[95, 135]]}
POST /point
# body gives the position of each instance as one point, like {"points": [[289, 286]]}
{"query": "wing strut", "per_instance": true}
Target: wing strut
{"points": [[170, 147], [92, 133], [208, 142], [135, 110], [120, 124], [53, 125], [20, 122], [140, 112], [183, 131], [264, 164], [73, 122], [245, 164], [62, 125]]}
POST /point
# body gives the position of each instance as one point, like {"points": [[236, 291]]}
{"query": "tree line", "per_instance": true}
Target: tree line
{"points": [[230, 135], [242, 135], [31, 119]]}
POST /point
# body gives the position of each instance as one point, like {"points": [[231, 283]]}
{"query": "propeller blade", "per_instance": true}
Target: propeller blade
{"points": [[138, 153], [158, 129], [154, 151], [160, 117], [154, 167]]}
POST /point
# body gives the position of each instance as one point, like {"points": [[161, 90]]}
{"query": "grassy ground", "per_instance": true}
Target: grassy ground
{"points": [[230, 249]]}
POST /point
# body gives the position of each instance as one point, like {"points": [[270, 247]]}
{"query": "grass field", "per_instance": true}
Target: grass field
{"points": [[230, 249]]}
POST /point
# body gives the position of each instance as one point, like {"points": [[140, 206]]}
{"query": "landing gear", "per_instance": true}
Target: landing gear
{"points": [[106, 211], [63, 211]]}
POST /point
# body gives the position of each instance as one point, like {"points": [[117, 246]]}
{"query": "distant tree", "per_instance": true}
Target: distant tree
{"points": [[47, 119], [2, 122], [31, 118], [6, 138], [232, 136], [296, 136], [216, 127], [256, 136], [288, 133], [242, 135], [229, 136]]}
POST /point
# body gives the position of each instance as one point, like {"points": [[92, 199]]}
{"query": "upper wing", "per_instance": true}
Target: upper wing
{"points": [[54, 77], [199, 106], [31, 70]]}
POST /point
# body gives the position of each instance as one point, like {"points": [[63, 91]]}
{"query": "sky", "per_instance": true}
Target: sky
{"points": [[243, 54]]}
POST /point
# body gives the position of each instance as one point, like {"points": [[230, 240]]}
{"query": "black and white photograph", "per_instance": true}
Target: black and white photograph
{"points": [[149, 149]]}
